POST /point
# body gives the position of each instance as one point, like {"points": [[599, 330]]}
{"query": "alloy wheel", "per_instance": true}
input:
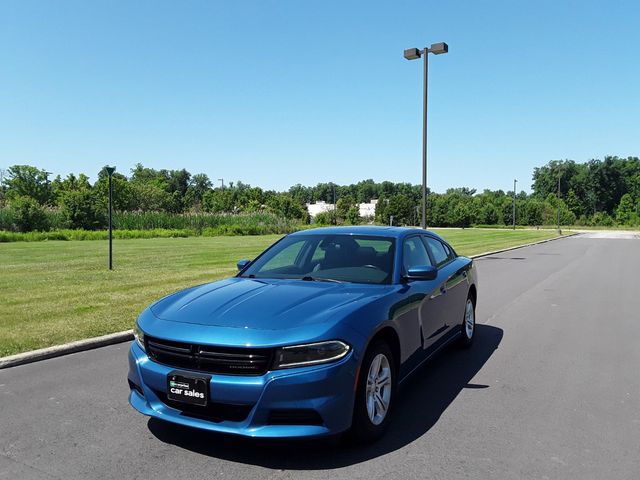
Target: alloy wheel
{"points": [[469, 319], [378, 392]]}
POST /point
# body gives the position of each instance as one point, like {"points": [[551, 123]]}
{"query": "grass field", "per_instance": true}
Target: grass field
{"points": [[55, 292]]}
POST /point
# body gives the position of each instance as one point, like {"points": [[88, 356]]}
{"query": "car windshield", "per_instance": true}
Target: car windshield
{"points": [[339, 258]]}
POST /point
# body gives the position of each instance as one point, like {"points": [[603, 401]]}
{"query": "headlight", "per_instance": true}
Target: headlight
{"points": [[139, 335], [310, 354]]}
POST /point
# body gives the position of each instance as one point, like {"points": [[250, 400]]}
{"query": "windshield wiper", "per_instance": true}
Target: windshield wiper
{"points": [[309, 278]]}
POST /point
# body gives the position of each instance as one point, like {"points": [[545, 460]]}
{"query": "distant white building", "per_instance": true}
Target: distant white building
{"points": [[366, 210], [319, 207]]}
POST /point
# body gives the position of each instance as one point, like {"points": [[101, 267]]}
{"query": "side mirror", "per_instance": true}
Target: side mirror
{"points": [[422, 272], [242, 264]]}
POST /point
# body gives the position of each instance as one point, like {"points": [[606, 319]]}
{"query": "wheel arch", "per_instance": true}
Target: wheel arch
{"points": [[473, 292], [388, 335]]}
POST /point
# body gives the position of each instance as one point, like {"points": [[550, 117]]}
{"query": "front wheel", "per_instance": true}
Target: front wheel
{"points": [[468, 326], [375, 394]]}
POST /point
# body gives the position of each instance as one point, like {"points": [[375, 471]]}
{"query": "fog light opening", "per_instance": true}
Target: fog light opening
{"points": [[135, 387]]}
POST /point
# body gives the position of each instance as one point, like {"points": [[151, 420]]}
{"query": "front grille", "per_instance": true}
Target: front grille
{"points": [[296, 416], [214, 411], [210, 359]]}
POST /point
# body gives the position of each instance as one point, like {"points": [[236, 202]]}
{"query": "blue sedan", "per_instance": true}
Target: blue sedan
{"points": [[311, 338]]}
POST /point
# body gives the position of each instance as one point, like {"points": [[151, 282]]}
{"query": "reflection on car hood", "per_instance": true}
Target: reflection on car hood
{"points": [[263, 303]]}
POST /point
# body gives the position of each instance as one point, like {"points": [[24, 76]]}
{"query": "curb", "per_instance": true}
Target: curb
{"points": [[66, 349], [493, 252], [120, 337]]}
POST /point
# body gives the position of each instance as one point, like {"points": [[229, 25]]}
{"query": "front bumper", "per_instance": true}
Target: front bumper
{"points": [[254, 401]]}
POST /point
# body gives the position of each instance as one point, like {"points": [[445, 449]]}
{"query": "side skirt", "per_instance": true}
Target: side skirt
{"points": [[453, 336]]}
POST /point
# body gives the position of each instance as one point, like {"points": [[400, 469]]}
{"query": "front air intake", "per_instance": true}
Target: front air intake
{"points": [[295, 416]]}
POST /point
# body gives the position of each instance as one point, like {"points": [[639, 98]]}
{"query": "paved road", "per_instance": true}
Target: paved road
{"points": [[551, 389]]}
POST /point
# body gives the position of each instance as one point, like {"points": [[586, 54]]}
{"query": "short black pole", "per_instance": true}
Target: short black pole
{"points": [[110, 171]]}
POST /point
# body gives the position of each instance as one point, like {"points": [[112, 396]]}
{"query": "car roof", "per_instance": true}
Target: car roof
{"points": [[370, 230]]}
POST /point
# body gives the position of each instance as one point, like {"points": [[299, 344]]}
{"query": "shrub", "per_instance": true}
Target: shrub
{"points": [[28, 215], [6, 219], [602, 219], [324, 218]]}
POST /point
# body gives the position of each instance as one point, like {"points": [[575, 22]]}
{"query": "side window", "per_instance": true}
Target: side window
{"points": [[440, 252], [414, 253], [450, 253]]}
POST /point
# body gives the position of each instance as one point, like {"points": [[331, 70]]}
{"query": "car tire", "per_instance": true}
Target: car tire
{"points": [[468, 325], [370, 419]]}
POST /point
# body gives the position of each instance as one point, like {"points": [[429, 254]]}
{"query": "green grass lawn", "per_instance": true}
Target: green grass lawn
{"points": [[54, 292]]}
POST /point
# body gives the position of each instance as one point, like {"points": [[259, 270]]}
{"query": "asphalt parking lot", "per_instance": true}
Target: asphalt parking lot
{"points": [[550, 389]]}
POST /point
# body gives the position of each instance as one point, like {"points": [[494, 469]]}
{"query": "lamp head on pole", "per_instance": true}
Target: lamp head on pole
{"points": [[110, 170], [435, 48], [438, 48], [412, 53]]}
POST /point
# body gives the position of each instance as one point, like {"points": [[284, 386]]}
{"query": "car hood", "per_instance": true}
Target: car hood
{"points": [[263, 303]]}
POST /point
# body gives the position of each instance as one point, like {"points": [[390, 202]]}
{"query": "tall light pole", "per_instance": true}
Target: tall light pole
{"points": [[110, 171], [558, 200], [514, 203], [413, 54], [222, 181]]}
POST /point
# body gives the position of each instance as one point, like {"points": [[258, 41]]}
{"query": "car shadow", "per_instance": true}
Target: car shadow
{"points": [[423, 399]]}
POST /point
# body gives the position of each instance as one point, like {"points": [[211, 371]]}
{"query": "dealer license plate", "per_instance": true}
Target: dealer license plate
{"points": [[188, 388]]}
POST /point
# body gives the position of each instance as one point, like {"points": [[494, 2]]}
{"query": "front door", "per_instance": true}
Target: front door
{"points": [[429, 310]]}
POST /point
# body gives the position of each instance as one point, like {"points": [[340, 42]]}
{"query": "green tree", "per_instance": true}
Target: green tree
{"points": [[125, 194], [28, 181], [150, 197], [82, 209], [507, 209], [380, 210], [285, 205], [353, 216], [533, 212], [461, 215], [198, 187], [402, 208], [574, 203], [489, 215], [70, 183], [218, 201], [625, 213], [343, 206]]}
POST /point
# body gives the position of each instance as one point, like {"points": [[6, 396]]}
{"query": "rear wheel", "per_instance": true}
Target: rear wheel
{"points": [[375, 394], [468, 326]]}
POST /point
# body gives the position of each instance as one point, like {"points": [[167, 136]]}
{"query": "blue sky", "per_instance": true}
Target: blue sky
{"points": [[276, 93]]}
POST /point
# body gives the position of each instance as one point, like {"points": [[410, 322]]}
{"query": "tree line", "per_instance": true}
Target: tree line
{"points": [[599, 192]]}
